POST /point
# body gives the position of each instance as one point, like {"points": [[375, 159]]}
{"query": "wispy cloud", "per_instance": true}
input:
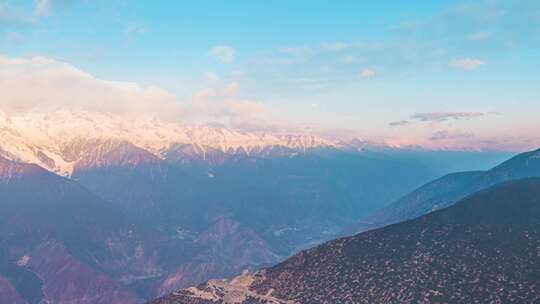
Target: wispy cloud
{"points": [[443, 116], [450, 135], [466, 63], [399, 123], [223, 53], [435, 117], [486, 29]]}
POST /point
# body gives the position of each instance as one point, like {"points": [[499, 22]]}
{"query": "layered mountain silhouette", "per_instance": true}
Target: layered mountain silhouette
{"points": [[319, 193], [128, 210], [449, 189], [128, 224], [483, 249]]}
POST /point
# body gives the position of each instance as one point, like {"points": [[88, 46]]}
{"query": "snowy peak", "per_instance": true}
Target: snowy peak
{"points": [[64, 140], [101, 153]]}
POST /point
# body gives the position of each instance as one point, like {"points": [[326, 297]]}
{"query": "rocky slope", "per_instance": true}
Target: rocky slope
{"points": [[483, 249], [53, 236], [449, 189]]}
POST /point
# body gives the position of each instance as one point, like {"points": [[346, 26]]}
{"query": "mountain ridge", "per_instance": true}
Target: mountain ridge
{"points": [[64, 139], [450, 188], [47, 138], [482, 249]]}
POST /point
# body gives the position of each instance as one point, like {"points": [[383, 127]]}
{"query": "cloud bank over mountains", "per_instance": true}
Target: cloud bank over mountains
{"points": [[45, 84], [41, 83]]}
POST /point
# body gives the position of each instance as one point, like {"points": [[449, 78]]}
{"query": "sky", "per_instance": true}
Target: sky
{"points": [[436, 74]]}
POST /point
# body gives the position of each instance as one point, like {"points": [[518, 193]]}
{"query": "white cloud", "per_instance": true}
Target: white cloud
{"points": [[41, 83], [241, 110], [223, 53], [466, 63], [45, 84], [221, 102], [367, 73]]}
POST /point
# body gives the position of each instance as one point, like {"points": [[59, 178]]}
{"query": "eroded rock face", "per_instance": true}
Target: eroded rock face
{"points": [[484, 249], [67, 280], [234, 291]]}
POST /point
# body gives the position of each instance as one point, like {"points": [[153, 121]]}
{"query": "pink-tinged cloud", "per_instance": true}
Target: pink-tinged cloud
{"points": [[463, 141]]}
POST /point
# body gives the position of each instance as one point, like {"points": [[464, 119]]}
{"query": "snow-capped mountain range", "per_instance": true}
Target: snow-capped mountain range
{"points": [[64, 139]]}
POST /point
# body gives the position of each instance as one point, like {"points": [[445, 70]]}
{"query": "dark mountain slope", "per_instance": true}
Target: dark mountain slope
{"points": [[484, 249], [47, 218], [451, 188]]}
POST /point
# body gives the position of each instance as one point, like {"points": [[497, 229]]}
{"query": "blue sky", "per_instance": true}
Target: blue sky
{"points": [[339, 68]]}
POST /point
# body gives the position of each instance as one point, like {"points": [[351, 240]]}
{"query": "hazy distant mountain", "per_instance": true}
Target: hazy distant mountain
{"points": [[482, 250], [64, 140], [447, 190]]}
